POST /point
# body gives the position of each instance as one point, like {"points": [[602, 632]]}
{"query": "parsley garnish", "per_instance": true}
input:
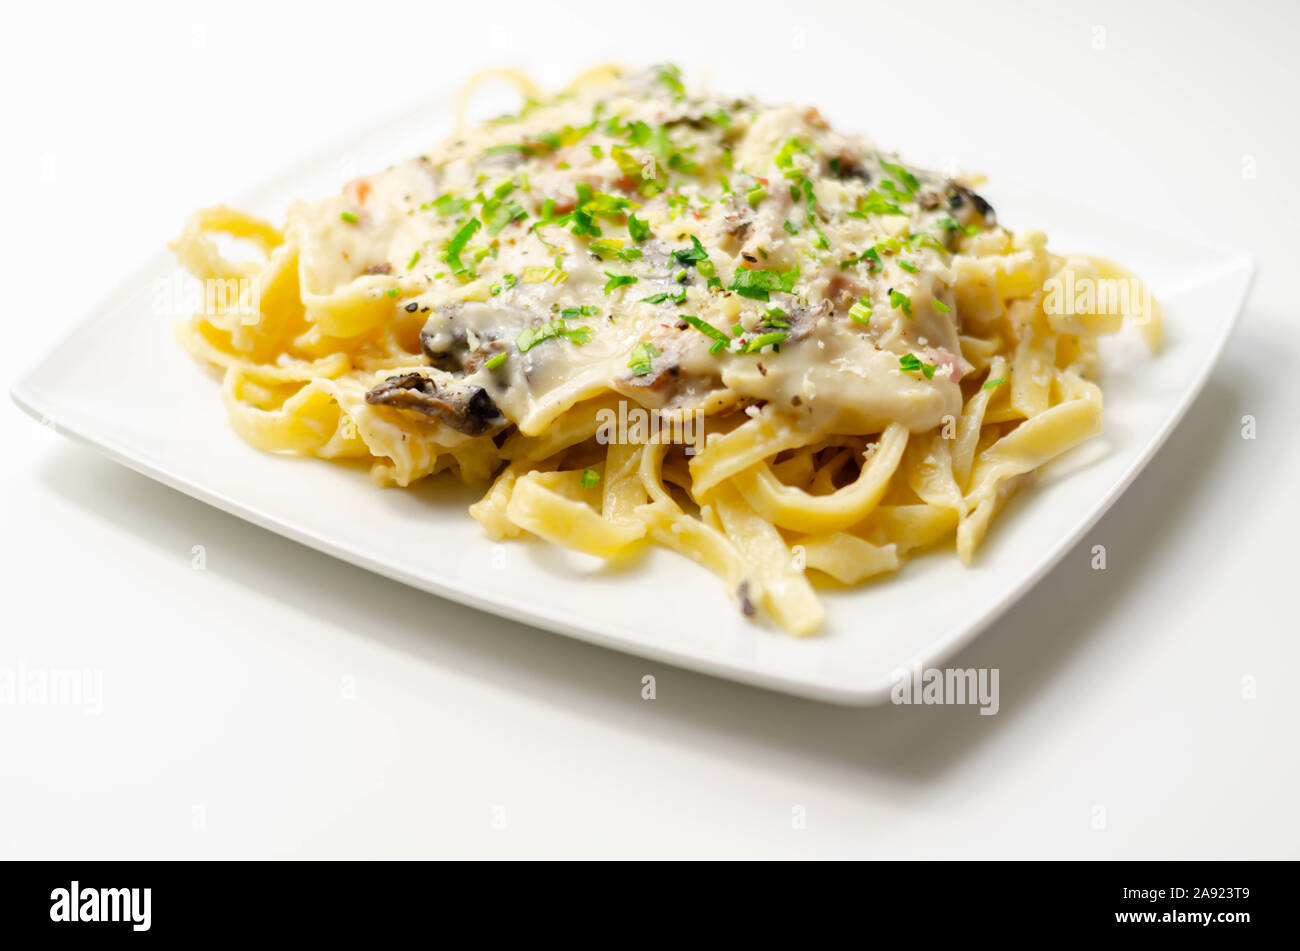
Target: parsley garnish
{"points": [[692, 255], [349, 217], [757, 285], [590, 478]]}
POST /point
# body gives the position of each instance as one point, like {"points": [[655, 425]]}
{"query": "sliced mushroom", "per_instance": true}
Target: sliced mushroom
{"points": [[467, 409], [960, 195]]}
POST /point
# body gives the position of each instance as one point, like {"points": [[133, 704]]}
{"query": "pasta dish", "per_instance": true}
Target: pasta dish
{"points": [[643, 315]]}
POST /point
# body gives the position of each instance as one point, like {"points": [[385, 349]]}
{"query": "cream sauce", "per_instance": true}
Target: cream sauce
{"points": [[542, 202]]}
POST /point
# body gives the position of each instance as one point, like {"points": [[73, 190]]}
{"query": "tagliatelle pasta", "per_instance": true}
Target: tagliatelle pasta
{"points": [[640, 315]]}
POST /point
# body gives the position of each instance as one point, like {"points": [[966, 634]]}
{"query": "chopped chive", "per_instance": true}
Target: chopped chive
{"points": [[707, 329], [349, 217], [757, 285], [493, 362], [758, 343], [860, 312]]}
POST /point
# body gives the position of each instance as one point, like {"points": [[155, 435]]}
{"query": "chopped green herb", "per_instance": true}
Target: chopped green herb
{"points": [[493, 362], [532, 336], [501, 149], [642, 354], [860, 312], [900, 301], [874, 203], [535, 274], [908, 266], [457, 244], [392, 292], [671, 77], [910, 362], [415, 259], [757, 285], [590, 478], [618, 280], [755, 195], [903, 175], [692, 255], [504, 214], [941, 306], [638, 229], [707, 329], [775, 317], [950, 224], [609, 248], [758, 343], [349, 217], [446, 205], [994, 384], [679, 298]]}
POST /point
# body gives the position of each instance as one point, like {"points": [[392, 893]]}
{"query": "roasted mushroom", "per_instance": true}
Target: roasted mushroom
{"points": [[467, 409]]}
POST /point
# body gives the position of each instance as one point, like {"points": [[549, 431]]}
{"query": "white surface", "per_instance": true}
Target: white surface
{"points": [[123, 357], [283, 703]]}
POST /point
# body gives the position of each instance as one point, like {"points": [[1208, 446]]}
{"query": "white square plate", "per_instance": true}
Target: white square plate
{"points": [[120, 383]]}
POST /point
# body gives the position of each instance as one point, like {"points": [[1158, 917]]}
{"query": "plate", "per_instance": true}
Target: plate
{"points": [[119, 382]]}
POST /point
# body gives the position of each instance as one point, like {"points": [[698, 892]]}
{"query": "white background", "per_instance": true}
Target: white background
{"points": [[280, 703]]}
